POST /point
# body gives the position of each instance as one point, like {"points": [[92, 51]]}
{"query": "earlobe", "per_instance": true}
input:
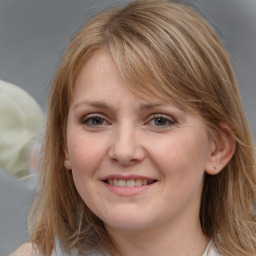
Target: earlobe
{"points": [[223, 150], [67, 162]]}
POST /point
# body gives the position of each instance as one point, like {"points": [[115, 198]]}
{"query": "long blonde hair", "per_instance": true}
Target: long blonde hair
{"points": [[165, 49]]}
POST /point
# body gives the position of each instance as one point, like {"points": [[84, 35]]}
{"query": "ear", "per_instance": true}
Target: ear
{"points": [[67, 162], [223, 149]]}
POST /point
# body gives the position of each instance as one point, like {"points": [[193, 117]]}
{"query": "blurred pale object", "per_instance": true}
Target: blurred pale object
{"points": [[21, 121]]}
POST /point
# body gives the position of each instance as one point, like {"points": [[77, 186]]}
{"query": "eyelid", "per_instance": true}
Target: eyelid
{"points": [[171, 120], [166, 116], [85, 118]]}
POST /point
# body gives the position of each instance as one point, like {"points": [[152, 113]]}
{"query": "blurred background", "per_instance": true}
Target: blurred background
{"points": [[34, 34]]}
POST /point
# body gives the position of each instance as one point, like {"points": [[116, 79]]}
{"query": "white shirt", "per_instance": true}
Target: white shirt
{"points": [[211, 250]]}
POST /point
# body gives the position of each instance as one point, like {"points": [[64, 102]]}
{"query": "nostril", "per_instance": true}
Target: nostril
{"points": [[125, 161], [126, 150]]}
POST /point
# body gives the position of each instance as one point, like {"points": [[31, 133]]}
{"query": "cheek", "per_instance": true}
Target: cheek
{"points": [[179, 157], [85, 152], [85, 158], [86, 189]]}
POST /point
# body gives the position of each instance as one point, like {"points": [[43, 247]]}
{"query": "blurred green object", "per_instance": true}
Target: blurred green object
{"points": [[21, 122]]}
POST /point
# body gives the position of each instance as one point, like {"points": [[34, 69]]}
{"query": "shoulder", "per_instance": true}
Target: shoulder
{"points": [[26, 249]]}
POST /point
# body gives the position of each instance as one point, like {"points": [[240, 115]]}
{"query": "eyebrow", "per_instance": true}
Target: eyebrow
{"points": [[101, 105], [149, 106], [96, 104]]}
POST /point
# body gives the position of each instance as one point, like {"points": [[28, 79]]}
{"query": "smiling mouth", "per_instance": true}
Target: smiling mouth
{"points": [[129, 183]]}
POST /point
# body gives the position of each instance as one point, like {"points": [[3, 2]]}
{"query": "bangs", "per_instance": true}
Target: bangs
{"points": [[157, 59], [143, 73]]}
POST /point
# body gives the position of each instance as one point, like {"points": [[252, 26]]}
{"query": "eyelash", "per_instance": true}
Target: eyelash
{"points": [[165, 121], [88, 121], [168, 121]]}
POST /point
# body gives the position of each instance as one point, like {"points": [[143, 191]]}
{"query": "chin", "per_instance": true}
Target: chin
{"points": [[128, 221], [127, 227]]}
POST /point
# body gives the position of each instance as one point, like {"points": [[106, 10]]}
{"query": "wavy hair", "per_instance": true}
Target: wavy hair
{"points": [[165, 49]]}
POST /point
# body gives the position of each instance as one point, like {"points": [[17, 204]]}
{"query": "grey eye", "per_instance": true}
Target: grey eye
{"points": [[160, 121], [94, 121]]}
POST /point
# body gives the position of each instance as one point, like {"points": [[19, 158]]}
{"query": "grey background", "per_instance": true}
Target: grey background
{"points": [[34, 34]]}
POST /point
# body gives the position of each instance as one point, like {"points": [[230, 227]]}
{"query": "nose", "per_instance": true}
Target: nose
{"points": [[125, 147]]}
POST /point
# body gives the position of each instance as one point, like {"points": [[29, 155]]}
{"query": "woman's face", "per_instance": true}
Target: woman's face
{"points": [[136, 164]]}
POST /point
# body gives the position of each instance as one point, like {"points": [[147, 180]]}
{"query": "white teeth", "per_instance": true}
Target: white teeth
{"points": [[138, 183], [128, 183], [116, 183], [122, 183]]}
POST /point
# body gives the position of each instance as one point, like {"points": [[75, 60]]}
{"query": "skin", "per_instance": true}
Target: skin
{"points": [[111, 133]]}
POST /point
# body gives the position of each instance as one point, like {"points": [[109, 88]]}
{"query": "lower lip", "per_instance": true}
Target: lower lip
{"points": [[128, 191]]}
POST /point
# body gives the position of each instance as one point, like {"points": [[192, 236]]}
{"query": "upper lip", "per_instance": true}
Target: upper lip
{"points": [[127, 177]]}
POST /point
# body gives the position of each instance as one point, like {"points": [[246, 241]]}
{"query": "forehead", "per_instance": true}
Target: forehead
{"points": [[99, 77], [99, 80], [101, 71]]}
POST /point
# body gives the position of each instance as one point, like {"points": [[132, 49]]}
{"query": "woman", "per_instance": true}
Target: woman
{"points": [[147, 148]]}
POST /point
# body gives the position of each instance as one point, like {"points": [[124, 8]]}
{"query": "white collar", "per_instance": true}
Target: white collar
{"points": [[211, 250]]}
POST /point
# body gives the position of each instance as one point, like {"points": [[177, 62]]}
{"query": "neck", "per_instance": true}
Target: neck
{"points": [[163, 241]]}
